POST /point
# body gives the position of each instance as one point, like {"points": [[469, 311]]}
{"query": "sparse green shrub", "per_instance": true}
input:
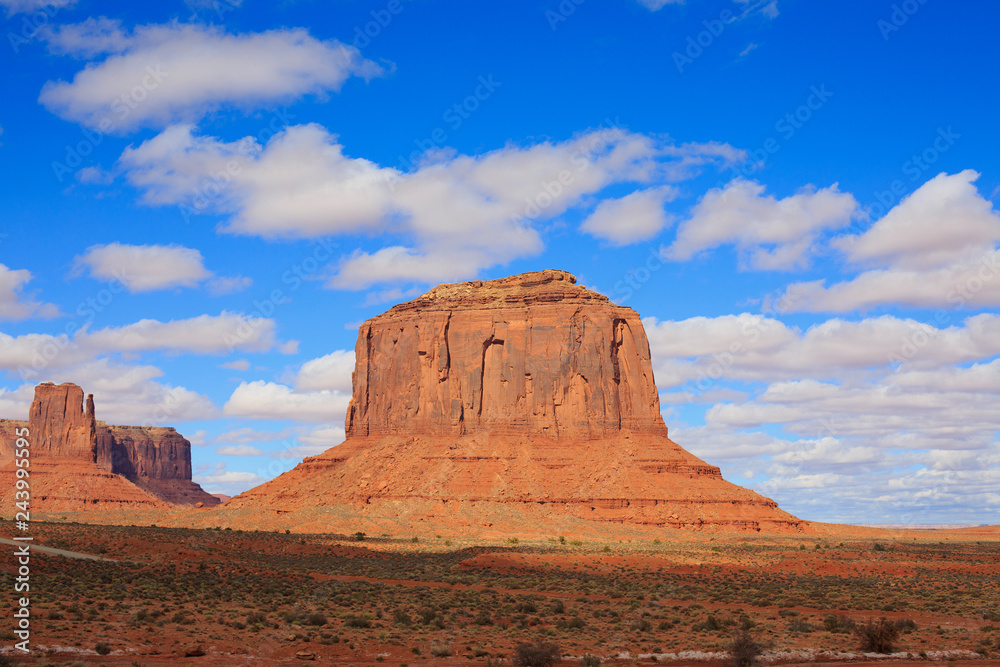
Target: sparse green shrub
{"points": [[640, 625], [800, 625], [710, 624], [589, 660], [574, 623], [440, 651], [877, 636], [102, 648], [315, 618], [542, 654], [744, 649], [833, 623]]}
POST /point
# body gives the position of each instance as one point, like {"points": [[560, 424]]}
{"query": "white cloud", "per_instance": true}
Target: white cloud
{"points": [[944, 221], [657, 5], [198, 438], [314, 442], [769, 233], [238, 365], [159, 74], [218, 479], [14, 403], [223, 285], [123, 393], [144, 268], [636, 217], [270, 400], [332, 371], [239, 450], [14, 304], [246, 435], [31, 6], [462, 213], [750, 347], [768, 8], [936, 249], [205, 334]]}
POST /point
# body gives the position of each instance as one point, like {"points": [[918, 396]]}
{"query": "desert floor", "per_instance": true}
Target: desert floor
{"points": [[260, 598]]}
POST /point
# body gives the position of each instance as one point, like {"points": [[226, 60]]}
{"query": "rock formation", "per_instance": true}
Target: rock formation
{"points": [[78, 462], [526, 400], [59, 426]]}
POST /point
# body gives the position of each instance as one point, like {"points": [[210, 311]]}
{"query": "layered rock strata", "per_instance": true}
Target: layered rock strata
{"points": [[528, 394], [78, 462]]}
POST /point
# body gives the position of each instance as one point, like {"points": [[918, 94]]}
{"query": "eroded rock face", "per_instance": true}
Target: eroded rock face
{"points": [[522, 400], [74, 453], [59, 425], [533, 354]]}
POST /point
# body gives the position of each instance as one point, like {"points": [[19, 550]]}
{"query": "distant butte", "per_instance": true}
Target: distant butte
{"points": [[520, 405], [80, 463]]}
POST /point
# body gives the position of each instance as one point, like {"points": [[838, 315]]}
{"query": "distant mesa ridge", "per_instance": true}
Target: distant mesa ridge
{"points": [[528, 399], [78, 462]]}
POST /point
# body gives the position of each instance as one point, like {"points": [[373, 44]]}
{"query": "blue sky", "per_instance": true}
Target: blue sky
{"points": [[202, 200]]}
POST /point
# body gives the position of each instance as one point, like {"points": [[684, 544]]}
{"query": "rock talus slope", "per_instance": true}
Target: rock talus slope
{"points": [[526, 400], [77, 462]]}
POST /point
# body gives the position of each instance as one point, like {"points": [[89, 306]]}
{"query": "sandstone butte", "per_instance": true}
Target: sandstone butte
{"points": [[79, 463], [512, 406]]}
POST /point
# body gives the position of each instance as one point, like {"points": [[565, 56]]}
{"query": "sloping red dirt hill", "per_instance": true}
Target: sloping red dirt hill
{"points": [[526, 402], [79, 463]]}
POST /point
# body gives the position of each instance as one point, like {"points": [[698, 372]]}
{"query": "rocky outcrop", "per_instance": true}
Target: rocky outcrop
{"points": [[144, 451], [59, 425], [525, 401], [533, 354], [72, 453]]}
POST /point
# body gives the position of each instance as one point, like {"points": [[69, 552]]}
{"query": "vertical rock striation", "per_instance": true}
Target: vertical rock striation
{"points": [[526, 401], [89, 463], [530, 355]]}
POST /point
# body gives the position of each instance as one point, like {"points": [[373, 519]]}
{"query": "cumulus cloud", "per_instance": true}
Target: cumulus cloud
{"points": [[657, 5], [14, 403], [636, 217], [754, 348], [332, 371], [223, 285], [271, 400], [239, 450], [159, 74], [937, 248], [144, 268], [457, 213], [204, 334], [34, 354], [769, 233], [14, 303], [218, 479], [314, 442], [124, 393], [31, 6], [238, 365], [245, 435]]}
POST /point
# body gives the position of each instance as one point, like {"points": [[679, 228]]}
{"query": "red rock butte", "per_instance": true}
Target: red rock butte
{"points": [[79, 463], [524, 404]]}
